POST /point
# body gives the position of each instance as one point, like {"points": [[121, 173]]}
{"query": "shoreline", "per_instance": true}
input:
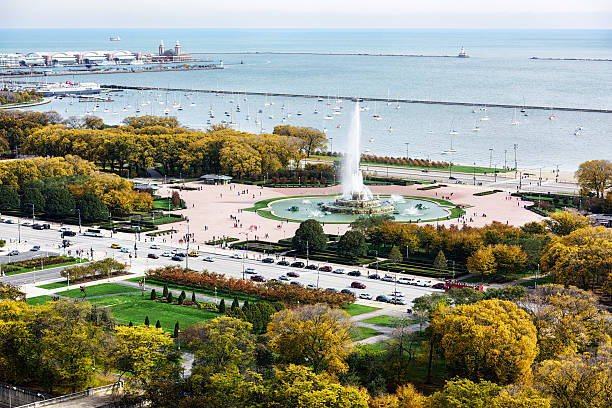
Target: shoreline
{"points": [[45, 101]]}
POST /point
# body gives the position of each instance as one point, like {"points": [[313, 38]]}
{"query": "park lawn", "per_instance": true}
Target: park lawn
{"points": [[354, 309], [53, 285], [360, 333], [134, 308], [97, 290], [38, 300], [384, 320], [541, 281]]}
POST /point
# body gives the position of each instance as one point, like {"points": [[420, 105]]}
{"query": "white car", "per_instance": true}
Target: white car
{"points": [[209, 259], [283, 278], [397, 301], [154, 246], [396, 293], [366, 296], [250, 271], [311, 286], [388, 278], [339, 271], [166, 254], [35, 248], [236, 256], [62, 229], [405, 281]]}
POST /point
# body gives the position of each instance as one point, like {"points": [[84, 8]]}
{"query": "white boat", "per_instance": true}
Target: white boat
{"points": [[463, 54], [514, 121], [485, 117], [329, 117], [371, 140], [116, 38]]}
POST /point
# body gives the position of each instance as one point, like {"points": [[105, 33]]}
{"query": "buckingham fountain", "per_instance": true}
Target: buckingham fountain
{"points": [[356, 199]]}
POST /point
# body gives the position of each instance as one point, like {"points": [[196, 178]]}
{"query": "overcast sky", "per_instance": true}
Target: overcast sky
{"points": [[308, 13]]}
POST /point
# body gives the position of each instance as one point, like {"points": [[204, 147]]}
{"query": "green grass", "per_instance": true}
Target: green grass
{"points": [[354, 309], [383, 320], [97, 290], [38, 300], [53, 285], [541, 281], [360, 333], [162, 204], [134, 308]]}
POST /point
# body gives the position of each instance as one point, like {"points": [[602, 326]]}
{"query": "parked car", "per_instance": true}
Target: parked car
{"points": [[397, 301], [283, 278], [438, 285], [296, 283], [397, 293], [250, 271], [236, 256], [350, 292], [68, 233], [177, 258], [268, 260], [338, 271], [181, 254], [382, 298], [293, 274], [115, 246], [358, 285], [365, 296], [9, 221], [354, 273], [35, 248], [258, 278], [26, 224], [405, 281], [326, 268], [209, 259], [124, 250], [166, 254], [283, 263], [388, 278], [154, 246], [332, 289], [297, 264], [374, 276], [46, 226], [153, 256], [193, 254], [312, 267], [311, 286], [38, 227], [13, 252]]}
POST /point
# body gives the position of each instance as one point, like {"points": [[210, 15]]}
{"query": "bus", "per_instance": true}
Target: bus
{"points": [[93, 233]]}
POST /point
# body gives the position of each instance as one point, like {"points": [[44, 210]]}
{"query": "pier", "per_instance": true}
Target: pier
{"points": [[108, 71], [345, 54], [354, 98]]}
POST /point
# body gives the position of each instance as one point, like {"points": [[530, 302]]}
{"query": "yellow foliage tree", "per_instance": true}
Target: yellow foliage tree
{"points": [[564, 223], [482, 262], [595, 175]]}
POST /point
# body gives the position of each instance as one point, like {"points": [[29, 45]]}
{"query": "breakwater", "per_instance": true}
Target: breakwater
{"points": [[355, 98], [346, 54], [571, 59]]}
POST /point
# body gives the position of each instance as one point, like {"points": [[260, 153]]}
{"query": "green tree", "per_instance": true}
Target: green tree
{"points": [[9, 198], [309, 233], [32, 196], [153, 294], [176, 330], [395, 255], [193, 297], [146, 322], [93, 122], [170, 298], [235, 304], [59, 202], [157, 325], [165, 291], [92, 208], [222, 306], [440, 261], [352, 244]]}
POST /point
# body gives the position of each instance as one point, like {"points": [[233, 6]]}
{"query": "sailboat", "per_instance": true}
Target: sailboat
{"points": [[376, 116], [397, 102], [476, 127], [515, 122], [451, 150]]}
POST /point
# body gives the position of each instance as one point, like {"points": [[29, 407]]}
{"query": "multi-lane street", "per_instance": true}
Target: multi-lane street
{"points": [[228, 262]]}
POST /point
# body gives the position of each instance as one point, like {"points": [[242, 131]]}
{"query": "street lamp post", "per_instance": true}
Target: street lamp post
{"points": [[407, 144], [79, 211], [19, 229], [188, 239], [490, 156]]}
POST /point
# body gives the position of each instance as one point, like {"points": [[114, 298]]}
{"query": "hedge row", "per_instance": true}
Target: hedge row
{"points": [[417, 270], [47, 260], [289, 294]]}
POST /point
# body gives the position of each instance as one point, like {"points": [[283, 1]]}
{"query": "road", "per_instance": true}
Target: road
{"points": [[224, 261]]}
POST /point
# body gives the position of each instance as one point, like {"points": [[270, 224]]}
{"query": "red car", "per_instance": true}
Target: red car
{"points": [[152, 256], [293, 274], [326, 268], [258, 278], [358, 285]]}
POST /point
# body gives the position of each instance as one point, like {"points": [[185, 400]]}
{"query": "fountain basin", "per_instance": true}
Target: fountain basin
{"points": [[336, 209]]}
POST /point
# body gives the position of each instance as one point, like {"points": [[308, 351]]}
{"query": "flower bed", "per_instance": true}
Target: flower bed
{"points": [[289, 294], [260, 246], [36, 262]]}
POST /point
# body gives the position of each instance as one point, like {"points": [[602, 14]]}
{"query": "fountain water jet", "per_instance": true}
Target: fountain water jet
{"points": [[356, 197]]}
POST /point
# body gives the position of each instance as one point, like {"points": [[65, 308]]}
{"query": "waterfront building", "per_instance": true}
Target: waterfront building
{"points": [[171, 55], [10, 60]]}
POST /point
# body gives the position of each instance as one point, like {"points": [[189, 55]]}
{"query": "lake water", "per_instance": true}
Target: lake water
{"points": [[499, 70]]}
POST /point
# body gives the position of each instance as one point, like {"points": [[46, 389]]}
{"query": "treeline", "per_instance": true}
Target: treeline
{"points": [[11, 97], [103, 268], [402, 161], [59, 186], [289, 294]]}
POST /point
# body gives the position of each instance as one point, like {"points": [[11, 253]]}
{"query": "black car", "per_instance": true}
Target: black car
{"points": [[153, 256], [293, 274], [46, 226], [382, 298], [374, 276], [297, 264], [283, 263], [438, 285], [354, 273], [68, 233], [177, 258], [311, 267], [296, 283], [332, 289], [37, 227], [350, 292], [268, 260]]}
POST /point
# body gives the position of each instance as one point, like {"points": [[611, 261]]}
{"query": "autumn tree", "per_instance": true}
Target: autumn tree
{"points": [[491, 339], [440, 261], [509, 259], [565, 222], [595, 176], [482, 262], [312, 139], [317, 336], [310, 232]]}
